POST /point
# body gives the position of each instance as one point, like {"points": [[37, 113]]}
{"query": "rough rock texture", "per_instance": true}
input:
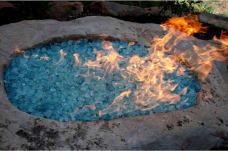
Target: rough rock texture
{"points": [[124, 11], [62, 10], [201, 127], [120, 10], [218, 21]]}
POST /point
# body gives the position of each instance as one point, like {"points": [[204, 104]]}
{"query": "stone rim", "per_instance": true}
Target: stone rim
{"points": [[12, 114]]}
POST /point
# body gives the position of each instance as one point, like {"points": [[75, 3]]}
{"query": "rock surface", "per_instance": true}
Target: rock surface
{"points": [[120, 10], [63, 10], [215, 20], [201, 127]]}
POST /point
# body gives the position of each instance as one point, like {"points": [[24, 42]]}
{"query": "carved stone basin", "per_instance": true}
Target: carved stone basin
{"points": [[182, 129]]}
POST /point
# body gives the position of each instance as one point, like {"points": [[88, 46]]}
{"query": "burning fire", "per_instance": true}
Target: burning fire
{"points": [[115, 103], [150, 70], [203, 55], [44, 58], [224, 34], [188, 24], [76, 58], [18, 51], [62, 55], [165, 57], [109, 57]]}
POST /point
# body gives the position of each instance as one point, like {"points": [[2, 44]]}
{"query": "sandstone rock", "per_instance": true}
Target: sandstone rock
{"points": [[65, 10], [218, 21], [120, 10], [19, 130], [191, 139], [155, 14], [154, 11]]}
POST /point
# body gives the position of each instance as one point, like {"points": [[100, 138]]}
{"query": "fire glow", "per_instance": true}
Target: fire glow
{"points": [[94, 80], [203, 55]]}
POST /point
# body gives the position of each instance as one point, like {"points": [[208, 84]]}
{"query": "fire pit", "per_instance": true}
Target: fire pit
{"points": [[90, 80], [135, 70]]}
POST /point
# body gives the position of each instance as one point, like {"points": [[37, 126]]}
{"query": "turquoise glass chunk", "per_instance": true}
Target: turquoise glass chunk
{"points": [[86, 80]]}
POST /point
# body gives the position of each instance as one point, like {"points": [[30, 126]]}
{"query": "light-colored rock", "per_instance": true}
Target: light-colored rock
{"points": [[188, 139], [19, 130]]}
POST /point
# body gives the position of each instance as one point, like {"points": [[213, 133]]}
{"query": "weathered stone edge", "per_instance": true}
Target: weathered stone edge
{"points": [[29, 34]]}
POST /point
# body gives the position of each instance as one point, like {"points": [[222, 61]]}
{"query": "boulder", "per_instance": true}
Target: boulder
{"points": [[215, 20], [191, 139], [19, 130], [65, 10], [120, 10]]}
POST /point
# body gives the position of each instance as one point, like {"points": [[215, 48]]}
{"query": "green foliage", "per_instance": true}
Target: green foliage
{"points": [[194, 6], [179, 7], [225, 15], [203, 7]]}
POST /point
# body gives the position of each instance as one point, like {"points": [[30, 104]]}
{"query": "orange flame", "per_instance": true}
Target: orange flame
{"points": [[116, 100], [149, 71], [224, 35], [203, 57], [35, 56], [92, 107], [18, 51], [109, 58], [76, 59], [44, 58], [86, 74], [62, 55], [188, 24]]}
